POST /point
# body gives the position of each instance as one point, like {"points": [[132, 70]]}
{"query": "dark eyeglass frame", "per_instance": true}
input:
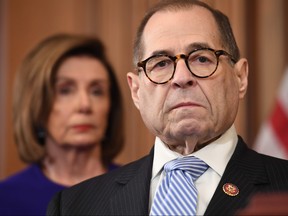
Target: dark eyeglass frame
{"points": [[218, 53]]}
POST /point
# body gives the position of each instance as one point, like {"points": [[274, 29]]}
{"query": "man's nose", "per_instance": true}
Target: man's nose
{"points": [[182, 76]]}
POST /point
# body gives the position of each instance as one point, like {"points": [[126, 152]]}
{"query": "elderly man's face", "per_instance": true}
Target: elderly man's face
{"points": [[188, 109]]}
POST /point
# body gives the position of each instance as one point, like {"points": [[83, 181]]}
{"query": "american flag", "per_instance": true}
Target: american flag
{"points": [[273, 135]]}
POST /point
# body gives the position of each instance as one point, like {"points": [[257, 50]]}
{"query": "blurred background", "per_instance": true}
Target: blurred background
{"points": [[260, 27]]}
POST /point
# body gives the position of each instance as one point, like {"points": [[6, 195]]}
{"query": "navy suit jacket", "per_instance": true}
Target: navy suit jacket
{"points": [[125, 191]]}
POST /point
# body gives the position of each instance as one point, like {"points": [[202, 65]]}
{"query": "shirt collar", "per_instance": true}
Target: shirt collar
{"points": [[216, 154]]}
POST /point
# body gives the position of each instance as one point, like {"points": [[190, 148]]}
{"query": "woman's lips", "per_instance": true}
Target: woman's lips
{"points": [[83, 127]]}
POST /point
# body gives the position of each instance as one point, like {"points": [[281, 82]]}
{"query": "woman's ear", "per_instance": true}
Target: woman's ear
{"points": [[242, 70], [133, 82]]}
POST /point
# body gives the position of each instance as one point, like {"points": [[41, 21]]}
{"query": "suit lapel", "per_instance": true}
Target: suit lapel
{"points": [[132, 197], [246, 171]]}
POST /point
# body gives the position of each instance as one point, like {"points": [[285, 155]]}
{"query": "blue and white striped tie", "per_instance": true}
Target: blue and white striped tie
{"points": [[177, 194]]}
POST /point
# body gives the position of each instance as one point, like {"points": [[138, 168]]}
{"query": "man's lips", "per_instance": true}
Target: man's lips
{"points": [[185, 104]]}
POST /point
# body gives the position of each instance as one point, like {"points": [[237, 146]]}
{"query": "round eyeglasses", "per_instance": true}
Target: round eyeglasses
{"points": [[202, 63]]}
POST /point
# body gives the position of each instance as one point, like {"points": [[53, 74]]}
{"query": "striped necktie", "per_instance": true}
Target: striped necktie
{"points": [[177, 194]]}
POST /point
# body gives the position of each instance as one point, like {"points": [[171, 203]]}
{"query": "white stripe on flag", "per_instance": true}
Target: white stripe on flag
{"points": [[268, 143], [272, 138]]}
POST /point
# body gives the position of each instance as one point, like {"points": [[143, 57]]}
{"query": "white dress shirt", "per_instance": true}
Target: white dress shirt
{"points": [[216, 155]]}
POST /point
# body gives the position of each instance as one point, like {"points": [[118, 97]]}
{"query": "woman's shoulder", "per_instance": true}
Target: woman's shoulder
{"points": [[26, 192], [21, 176]]}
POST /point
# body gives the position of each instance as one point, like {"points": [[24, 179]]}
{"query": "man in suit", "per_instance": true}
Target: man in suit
{"points": [[188, 81]]}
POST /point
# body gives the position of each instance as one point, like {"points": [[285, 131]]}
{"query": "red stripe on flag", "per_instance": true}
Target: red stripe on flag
{"points": [[279, 122]]}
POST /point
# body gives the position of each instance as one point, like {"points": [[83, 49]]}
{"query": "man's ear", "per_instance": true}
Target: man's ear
{"points": [[133, 82], [242, 70]]}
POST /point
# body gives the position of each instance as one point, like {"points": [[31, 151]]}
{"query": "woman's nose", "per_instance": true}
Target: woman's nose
{"points": [[84, 102]]}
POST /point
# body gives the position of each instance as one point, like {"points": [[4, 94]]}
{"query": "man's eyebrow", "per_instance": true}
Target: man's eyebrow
{"points": [[197, 45], [160, 52], [188, 49]]}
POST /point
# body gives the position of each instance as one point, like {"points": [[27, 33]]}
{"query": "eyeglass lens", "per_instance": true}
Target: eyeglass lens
{"points": [[201, 63]]}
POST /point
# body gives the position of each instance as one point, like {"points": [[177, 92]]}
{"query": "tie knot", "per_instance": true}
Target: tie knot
{"points": [[191, 165]]}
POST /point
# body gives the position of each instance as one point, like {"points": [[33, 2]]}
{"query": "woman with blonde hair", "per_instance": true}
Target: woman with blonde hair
{"points": [[68, 121]]}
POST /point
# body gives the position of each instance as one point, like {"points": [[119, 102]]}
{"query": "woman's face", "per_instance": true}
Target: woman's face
{"points": [[80, 110]]}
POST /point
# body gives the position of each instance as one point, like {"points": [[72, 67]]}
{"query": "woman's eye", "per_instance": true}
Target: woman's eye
{"points": [[97, 91], [64, 90]]}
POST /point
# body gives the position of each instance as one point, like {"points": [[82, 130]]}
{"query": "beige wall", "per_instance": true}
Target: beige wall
{"points": [[3, 75], [259, 25]]}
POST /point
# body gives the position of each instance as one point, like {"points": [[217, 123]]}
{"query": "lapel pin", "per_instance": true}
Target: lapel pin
{"points": [[230, 189]]}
